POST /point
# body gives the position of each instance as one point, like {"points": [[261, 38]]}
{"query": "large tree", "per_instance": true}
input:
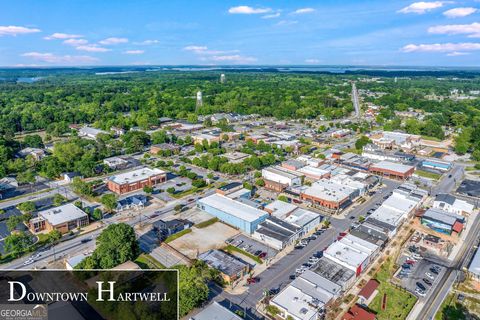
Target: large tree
{"points": [[115, 245]]}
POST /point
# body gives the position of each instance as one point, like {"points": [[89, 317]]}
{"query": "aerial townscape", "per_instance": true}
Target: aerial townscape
{"points": [[284, 191]]}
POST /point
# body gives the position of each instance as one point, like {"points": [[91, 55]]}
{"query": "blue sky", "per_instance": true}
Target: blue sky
{"points": [[326, 32]]}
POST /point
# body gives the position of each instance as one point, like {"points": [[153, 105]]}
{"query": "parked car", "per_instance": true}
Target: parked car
{"points": [[410, 262], [253, 280], [421, 286], [420, 292], [428, 282], [434, 270], [292, 277], [429, 275], [406, 266]]}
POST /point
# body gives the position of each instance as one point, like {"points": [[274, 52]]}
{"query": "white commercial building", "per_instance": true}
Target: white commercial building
{"points": [[283, 176], [451, 204], [314, 173], [89, 132], [352, 252]]}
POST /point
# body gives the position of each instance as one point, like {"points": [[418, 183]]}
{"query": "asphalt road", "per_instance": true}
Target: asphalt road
{"points": [[277, 275], [434, 301], [75, 246]]}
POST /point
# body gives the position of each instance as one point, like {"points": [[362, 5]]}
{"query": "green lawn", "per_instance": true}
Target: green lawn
{"points": [[146, 261], [231, 248], [426, 174], [207, 223], [452, 309], [177, 235], [399, 301]]}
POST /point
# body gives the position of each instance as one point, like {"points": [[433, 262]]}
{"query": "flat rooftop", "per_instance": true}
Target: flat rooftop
{"points": [[328, 190], [62, 214], [334, 272], [223, 262], [233, 207], [280, 208], [135, 175], [313, 171], [392, 166], [215, 311]]}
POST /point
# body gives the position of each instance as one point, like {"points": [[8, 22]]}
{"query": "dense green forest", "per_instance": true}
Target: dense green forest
{"points": [[139, 98]]}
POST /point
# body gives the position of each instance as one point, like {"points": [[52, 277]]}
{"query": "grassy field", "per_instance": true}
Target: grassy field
{"points": [[146, 261], [399, 301], [453, 309], [177, 235], [426, 174], [207, 223], [231, 248]]}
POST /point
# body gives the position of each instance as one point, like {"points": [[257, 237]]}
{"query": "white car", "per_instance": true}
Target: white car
{"points": [[429, 275], [27, 262], [420, 292]]}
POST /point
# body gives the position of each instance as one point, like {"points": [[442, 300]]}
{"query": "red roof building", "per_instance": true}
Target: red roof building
{"points": [[457, 227], [369, 289], [358, 313]]}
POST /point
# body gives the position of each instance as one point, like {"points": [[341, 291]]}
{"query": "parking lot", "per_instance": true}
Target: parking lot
{"points": [[179, 183], [417, 273], [252, 246]]}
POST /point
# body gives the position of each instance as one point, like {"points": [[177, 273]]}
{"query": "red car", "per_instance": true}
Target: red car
{"points": [[262, 255], [410, 262], [252, 280]]}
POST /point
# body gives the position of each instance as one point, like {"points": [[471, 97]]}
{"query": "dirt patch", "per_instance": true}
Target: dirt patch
{"points": [[201, 240]]}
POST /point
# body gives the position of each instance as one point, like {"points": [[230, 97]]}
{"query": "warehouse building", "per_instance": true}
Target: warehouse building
{"points": [[437, 165], [451, 204], [392, 170], [63, 219], [233, 212], [442, 221], [136, 180], [352, 253]]}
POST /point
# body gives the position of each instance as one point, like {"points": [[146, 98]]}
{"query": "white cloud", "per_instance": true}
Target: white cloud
{"points": [[61, 36], [442, 47], [134, 52], [146, 42], [472, 30], [313, 61], [16, 30], [303, 11], [233, 58], [55, 59], [92, 48], [203, 50], [422, 7], [113, 40], [457, 53], [460, 12], [286, 22], [248, 10], [75, 42], [271, 16]]}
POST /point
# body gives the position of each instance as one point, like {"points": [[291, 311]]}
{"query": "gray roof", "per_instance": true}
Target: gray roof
{"points": [[333, 271], [475, 264], [445, 198], [223, 262], [442, 216], [215, 311]]}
